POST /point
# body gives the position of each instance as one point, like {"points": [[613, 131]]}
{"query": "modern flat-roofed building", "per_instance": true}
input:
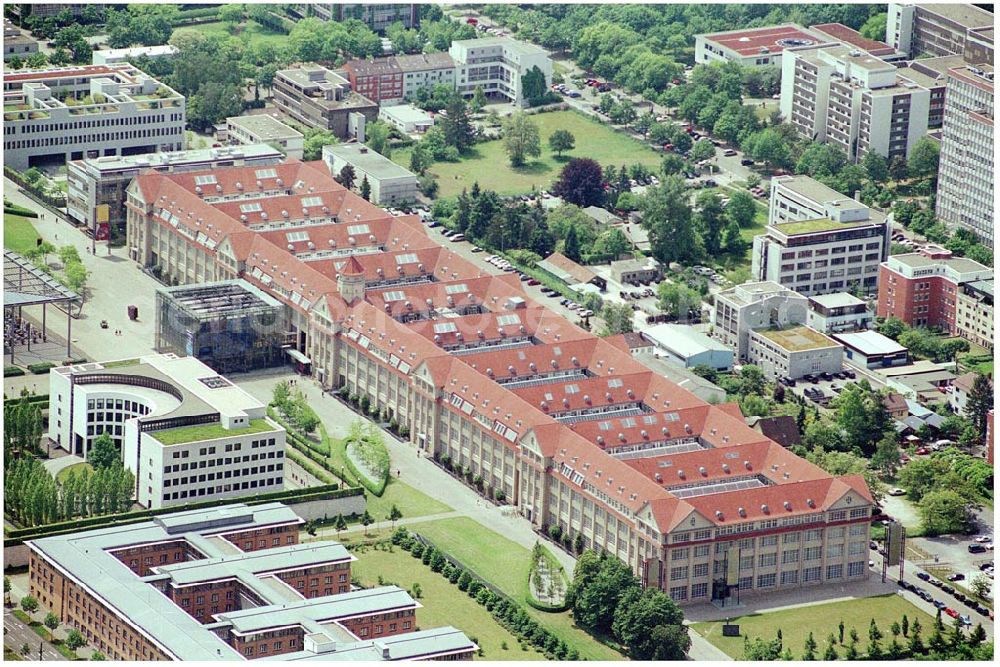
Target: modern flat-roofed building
{"points": [[185, 432], [753, 46], [227, 583], [390, 183], [792, 353], [318, 97], [406, 118], [16, 43], [379, 79], [838, 32], [103, 181], [974, 312], [965, 169], [425, 70], [688, 347], [111, 56], [497, 65], [935, 29], [870, 349], [86, 111], [840, 311], [922, 288], [846, 96], [818, 240], [378, 17], [744, 308], [265, 129]]}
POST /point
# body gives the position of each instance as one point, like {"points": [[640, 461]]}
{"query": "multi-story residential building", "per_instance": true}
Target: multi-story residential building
{"points": [[838, 312], [380, 80], [46, 9], [16, 43], [838, 32], [974, 312], [744, 308], [965, 169], [378, 17], [936, 29], [230, 583], [425, 70], [848, 97], [792, 353], [265, 129], [958, 396], [87, 111], [390, 183], [753, 47], [317, 97], [922, 288], [497, 65], [818, 240], [185, 432], [569, 428], [98, 182]]}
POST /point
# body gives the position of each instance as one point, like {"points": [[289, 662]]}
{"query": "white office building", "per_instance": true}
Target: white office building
{"points": [[406, 118], [425, 70], [837, 312], [688, 347], [87, 111], [764, 305], [497, 65], [792, 353], [112, 56], [818, 240], [264, 129], [185, 432], [390, 183]]}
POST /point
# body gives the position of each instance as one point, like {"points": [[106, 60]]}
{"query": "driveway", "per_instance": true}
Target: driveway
{"points": [[57, 465]]}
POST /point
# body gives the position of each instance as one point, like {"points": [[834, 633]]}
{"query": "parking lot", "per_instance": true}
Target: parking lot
{"points": [[821, 390]]}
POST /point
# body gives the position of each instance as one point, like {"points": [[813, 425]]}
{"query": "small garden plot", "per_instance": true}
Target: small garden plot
{"points": [[547, 582], [367, 456]]}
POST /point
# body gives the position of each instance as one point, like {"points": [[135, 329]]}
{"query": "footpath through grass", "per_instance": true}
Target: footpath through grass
{"points": [[250, 31], [506, 564], [821, 620], [19, 234], [443, 603], [489, 165]]}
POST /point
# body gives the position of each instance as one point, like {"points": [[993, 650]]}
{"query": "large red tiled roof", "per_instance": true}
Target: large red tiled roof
{"points": [[850, 36], [750, 42]]}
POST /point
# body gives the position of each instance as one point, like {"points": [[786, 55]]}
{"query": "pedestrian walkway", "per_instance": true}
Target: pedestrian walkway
{"points": [[21, 633], [57, 465]]}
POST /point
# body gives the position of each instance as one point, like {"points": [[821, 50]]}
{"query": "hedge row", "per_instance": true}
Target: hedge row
{"points": [[504, 609], [12, 371], [200, 13], [376, 487], [329, 492], [14, 209], [316, 472], [42, 368], [34, 398]]}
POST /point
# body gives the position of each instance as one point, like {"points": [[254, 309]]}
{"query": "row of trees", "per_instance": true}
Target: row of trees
{"points": [[32, 497], [921, 341], [22, 429]]}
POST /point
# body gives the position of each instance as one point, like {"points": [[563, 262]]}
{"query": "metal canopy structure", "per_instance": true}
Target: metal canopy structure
{"points": [[24, 284]]}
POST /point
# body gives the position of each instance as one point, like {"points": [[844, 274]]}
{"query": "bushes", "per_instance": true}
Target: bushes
{"points": [[14, 209], [12, 371], [42, 368]]}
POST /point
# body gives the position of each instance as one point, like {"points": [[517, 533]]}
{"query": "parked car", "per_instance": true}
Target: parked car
{"points": [[532, 281], [924, 576], [897, 492], [977, 549], [923, 451], [951, 612], [729, 152], [746, 162], [956, 577], [940, 605], [982, 539]]}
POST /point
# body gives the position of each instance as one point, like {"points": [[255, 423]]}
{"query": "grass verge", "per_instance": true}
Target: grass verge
{"points": [[19, 234], [65, 472]]}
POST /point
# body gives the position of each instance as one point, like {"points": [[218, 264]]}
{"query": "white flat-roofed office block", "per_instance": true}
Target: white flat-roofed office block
{"points": [[264, 129], [688, 347], [795, 352], [185, 432], [872, 350], [390, 183], [110, 56], [840, 311], [743, 308], [406, 118], [498, 66]]}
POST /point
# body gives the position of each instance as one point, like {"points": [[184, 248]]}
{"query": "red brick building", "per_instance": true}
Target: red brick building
{"points": [[921, 288], [379, 80]]}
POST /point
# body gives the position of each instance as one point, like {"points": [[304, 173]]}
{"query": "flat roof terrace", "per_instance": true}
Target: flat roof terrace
{"points": [[199, 432], [773, 38], [798, 339]]}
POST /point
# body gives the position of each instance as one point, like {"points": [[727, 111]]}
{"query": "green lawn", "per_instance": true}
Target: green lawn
{"points": [[19, 234], [443, 603], [409, 501], [505, 564], [182, 434], [488, 163], [78, 467], [821, 620], [251, 30]]}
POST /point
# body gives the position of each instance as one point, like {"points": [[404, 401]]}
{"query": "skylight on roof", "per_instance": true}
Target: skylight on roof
{"points": [[308, 202], [406, 258], [297, 237], [393, 296], [649, 419], [572, 389], [628, 422], [604, 426], [506, 320], [445, 327], [356, 229], [252, 207], [205, 180], [267, 173], [455, 289], [614, 383]]}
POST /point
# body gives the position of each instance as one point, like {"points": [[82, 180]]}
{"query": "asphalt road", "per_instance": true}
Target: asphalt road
{"points": [[16, 634]]}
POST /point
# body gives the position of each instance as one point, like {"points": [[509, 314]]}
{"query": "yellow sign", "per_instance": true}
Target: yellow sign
{"points": [[733, 565], [103, 214]]}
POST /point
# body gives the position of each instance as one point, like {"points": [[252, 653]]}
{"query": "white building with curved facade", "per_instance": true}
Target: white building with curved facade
{"points": [[185, 432]]}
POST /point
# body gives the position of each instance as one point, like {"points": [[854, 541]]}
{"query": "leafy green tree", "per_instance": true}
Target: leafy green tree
{"points": [[821, 159], [366, 520], [347, 176], [876, 167], [366, 189], [595, 601], [666, 214], [214, 103], [104, 453], [51, 622], [981, 586], [457, 125], [676, 299], [923, 160], [944, 511], [75, 640], [710, 221], [886, 457], [315, 139], [97, 656], [394, 515], [760, 650], [874, 27], [617, 318], [830, 652], [520, 138], [231, 15], [638, 613], [478, 100], [533, 85], [29, 604], [377, 138], [810, 648], [769, 147], [341, 524], [561, 141], [571, 245], [703, 149], [862, 416], [741, 208], [979, 403]]}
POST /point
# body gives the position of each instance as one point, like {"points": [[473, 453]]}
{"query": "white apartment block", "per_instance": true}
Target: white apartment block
{"points": [[264, 129], [965, 169], [847, 97], [185, 432], [88, 111], [819, 241], [974, 312], [794, 352], [744, 308], [390, 183], [425, 70], [937, 29], [497, 65], [838, 312]]}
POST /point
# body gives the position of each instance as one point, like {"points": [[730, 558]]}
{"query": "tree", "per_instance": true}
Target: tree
{"points": [[677, 300], [15, 62], [596, 592], [768, 146], [25, 649], [981, 586], [533, 85], [876, 167], [710, 221], [51, 622], [887, 457], [862, 416], [944, 511], [394, 515], [810, 648], [29, 604], [6, 590], [377, 138], [457, 126], [232, 15], [821, 159], [830, 652], [346, 176], [617, 318], [315, 139], [637, 613], [741, 208], [104, 453], [580, 182], [923, 160], [213, 103], [761, 649], [341, 524], [366, 520], [571, 245], [561, 140], [97, 656], [666, 214], [366, 189], [478, 100], [520, 138], [874, 27], [75, 640], [979, 403]]}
